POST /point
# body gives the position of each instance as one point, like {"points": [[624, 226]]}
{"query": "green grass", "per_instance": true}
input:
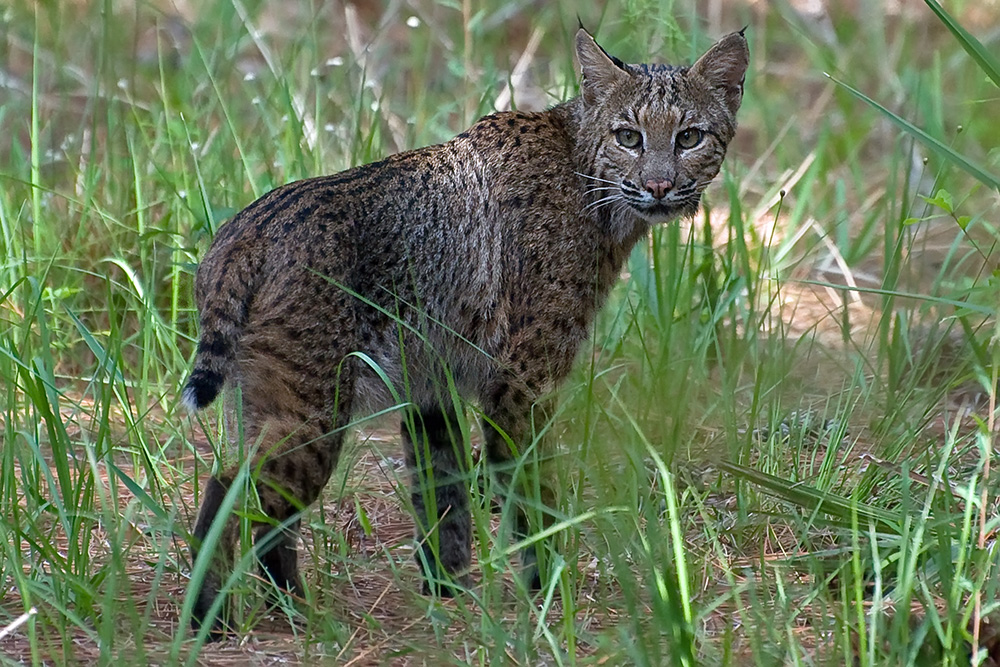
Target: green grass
{"points": [[776, 450]]}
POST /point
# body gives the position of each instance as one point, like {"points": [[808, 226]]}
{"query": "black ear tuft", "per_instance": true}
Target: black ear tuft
{"points": [[617, 61], [724, 68], [601, 71]]}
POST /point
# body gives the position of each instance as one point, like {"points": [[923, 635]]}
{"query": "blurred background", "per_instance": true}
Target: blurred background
{"points": [[825, 327]]}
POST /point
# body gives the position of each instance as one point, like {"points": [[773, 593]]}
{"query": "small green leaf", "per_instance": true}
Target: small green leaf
{"points": [[963, 221], [912, 221], [366, 525], [943, 200]]}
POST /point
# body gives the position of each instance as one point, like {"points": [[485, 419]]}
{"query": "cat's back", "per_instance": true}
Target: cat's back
{"points": [[463, 196], [501, 151]]}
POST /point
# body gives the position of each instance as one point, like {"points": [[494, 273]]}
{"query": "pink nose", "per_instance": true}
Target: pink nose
{"points": [[659, 189]]}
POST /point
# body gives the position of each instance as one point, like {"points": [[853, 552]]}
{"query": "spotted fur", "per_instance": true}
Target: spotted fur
{"points": [[480, 261]]}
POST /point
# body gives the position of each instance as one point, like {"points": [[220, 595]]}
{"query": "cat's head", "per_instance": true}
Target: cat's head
{"points": [[655, 135]]}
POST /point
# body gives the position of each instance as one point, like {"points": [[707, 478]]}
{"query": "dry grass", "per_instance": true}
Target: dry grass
{"points": [[384, 613]]}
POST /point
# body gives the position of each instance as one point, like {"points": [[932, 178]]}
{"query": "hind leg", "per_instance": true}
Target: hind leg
{"points": [[208, 591], [294, 415], [439, 489], [292, 473], [278, 553], [512, 420]]}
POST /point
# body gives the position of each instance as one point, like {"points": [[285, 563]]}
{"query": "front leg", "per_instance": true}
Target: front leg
{"points": [[439, 489], [512, 426]]}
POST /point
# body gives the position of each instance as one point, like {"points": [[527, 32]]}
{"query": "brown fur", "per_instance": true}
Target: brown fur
{"points": [[482, 260]]}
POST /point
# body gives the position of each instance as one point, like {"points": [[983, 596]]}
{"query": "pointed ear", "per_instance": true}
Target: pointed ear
{"points": [[600, 70], [724, 67]]}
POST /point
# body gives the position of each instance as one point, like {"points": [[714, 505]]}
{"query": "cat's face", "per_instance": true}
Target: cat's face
{"points": [[657, 134]]}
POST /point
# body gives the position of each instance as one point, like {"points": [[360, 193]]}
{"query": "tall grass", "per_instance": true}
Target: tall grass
{"points": [[776, 449]]}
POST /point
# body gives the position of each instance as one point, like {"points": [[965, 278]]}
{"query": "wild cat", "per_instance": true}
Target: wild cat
{"points": [[471, 268]]}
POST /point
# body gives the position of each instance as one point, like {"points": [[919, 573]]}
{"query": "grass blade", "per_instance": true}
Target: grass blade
{"points": [[813, 499], [986, 60], [936, 145]]}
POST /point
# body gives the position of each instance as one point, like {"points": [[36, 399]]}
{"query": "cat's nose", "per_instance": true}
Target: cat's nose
{"points": [[659, 189]]}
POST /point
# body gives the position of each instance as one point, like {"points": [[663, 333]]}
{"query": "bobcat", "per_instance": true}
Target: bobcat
{"points": [[471, 268]]}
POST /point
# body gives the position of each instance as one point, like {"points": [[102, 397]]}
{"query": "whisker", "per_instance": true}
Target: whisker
{"points": [[594, 178], [621, 209], [613, 204], [597, 204]]}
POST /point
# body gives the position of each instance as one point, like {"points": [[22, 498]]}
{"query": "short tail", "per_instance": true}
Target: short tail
{"points": [[208, 376], [224, 289], [223, 316], [225, 285]]}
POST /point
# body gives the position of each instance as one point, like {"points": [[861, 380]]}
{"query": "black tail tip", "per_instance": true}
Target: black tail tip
{"points": [[200, 390]]}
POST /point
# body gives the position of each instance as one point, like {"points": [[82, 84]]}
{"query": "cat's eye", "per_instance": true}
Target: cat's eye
{"points": [[689, 138], [629, 138]]}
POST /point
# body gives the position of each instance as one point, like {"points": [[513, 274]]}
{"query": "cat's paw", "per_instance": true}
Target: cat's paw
{"points": [[533, 579], [200, 615], [447, 586]]}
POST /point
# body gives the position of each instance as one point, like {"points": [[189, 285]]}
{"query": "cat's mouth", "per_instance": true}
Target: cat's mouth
{"points": [[677, 203], [657, 212]]}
